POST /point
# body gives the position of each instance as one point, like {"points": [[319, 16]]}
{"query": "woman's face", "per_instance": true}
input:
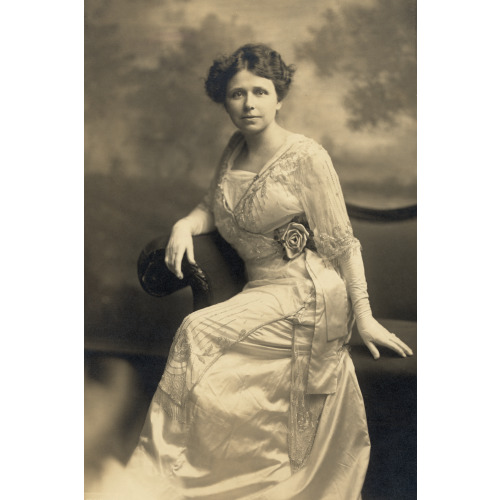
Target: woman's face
{"points": [[251, 102]]}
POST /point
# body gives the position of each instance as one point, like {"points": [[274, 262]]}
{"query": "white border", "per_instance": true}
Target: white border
{"points": [[458, 108], [42, 249]]}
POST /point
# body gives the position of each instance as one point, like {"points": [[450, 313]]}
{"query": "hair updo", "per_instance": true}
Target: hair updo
{"points": [[257, 58]]}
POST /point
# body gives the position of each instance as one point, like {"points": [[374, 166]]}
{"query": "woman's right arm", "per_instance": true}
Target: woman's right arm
{"points": [[199, 221]]}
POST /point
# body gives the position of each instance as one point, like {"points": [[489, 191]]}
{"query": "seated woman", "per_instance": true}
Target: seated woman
{"points": [[259, 398]]}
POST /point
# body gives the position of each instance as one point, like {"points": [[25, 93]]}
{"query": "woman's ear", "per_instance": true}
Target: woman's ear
{"points": [[278, 106]]}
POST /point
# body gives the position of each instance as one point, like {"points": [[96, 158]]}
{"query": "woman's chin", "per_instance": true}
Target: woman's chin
{"points": [[251, 128]]}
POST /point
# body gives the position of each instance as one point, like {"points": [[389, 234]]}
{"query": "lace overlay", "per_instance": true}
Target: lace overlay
{"points": [[336, 247], [300, 184], [305, 409], [199, 342]]}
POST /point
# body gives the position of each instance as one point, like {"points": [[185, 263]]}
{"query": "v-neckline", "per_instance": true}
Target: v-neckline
{"points": [[230, 163], [272, 159]]}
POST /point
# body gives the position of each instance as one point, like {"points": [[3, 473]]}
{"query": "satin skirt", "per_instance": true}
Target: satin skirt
{"points": [[236, 444]]}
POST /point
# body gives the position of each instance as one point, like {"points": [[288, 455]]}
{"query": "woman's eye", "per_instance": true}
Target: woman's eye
{"points": [[260, 92], [236, 94]]}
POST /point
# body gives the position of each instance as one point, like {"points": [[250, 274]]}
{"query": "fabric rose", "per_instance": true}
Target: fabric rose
{"points": [[294, 240]]}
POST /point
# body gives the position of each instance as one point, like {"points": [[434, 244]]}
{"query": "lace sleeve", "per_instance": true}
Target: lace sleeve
{"points": [[316, 185]]}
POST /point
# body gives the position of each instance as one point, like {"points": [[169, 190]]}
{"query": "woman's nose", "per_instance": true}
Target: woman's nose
{"points": [[249, 102]]}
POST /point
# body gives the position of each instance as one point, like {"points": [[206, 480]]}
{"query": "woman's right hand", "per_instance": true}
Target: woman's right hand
{"points": [[180, 243]]}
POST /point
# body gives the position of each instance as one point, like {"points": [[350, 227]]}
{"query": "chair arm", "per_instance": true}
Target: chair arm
{"points": [[217, 276]]}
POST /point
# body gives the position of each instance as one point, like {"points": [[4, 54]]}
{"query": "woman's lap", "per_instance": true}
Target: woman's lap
{"points": [[237, 441]]}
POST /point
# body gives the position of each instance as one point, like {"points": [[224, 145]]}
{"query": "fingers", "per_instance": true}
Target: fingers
{"points": [[190, 253], [392, 344], [178, 263], [403, 346], [397, 345], [173, 259], [373, 333], [373, 350], [174, 253]]}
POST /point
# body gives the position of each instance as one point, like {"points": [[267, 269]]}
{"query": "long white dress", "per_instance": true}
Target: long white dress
{"points": [[259, 398]]}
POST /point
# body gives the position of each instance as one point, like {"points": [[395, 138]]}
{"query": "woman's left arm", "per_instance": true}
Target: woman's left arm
{"points": [[371, 331], [316, 185]]}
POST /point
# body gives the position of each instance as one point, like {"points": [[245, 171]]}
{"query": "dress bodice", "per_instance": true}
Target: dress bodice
{"points": [[235, 184], [299, 181]]}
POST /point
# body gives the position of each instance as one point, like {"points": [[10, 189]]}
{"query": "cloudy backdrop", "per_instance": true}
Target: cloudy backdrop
{"points": [[146, 114]]}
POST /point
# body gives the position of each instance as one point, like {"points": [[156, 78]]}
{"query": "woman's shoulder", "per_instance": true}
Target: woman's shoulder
{"points": [[308, 149]]}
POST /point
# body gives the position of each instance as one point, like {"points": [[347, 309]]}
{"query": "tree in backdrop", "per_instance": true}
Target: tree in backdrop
{"points": [[375, 46], [179, 131], [153, 120], [106, 83]]}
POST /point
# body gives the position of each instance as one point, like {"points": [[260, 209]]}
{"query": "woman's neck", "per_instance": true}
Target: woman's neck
{"points": [[263, 145]]}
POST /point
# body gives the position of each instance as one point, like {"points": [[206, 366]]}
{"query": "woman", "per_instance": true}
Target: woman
{"points": [[259, 398]]}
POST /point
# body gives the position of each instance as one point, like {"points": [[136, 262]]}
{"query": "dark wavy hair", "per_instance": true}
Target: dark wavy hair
{"points": [[258, 58]]}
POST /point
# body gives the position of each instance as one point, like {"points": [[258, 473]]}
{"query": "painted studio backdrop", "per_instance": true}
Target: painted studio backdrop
{"points": [[153, 138]]}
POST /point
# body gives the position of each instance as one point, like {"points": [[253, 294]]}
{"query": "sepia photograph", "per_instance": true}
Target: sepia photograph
{"points": [[250, 249]]}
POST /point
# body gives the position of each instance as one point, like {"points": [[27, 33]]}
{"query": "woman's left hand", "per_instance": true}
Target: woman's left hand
{"points": [[372, 332]]}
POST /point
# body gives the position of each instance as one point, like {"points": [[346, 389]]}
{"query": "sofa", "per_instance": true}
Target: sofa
{"points": [[130, 370]]}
